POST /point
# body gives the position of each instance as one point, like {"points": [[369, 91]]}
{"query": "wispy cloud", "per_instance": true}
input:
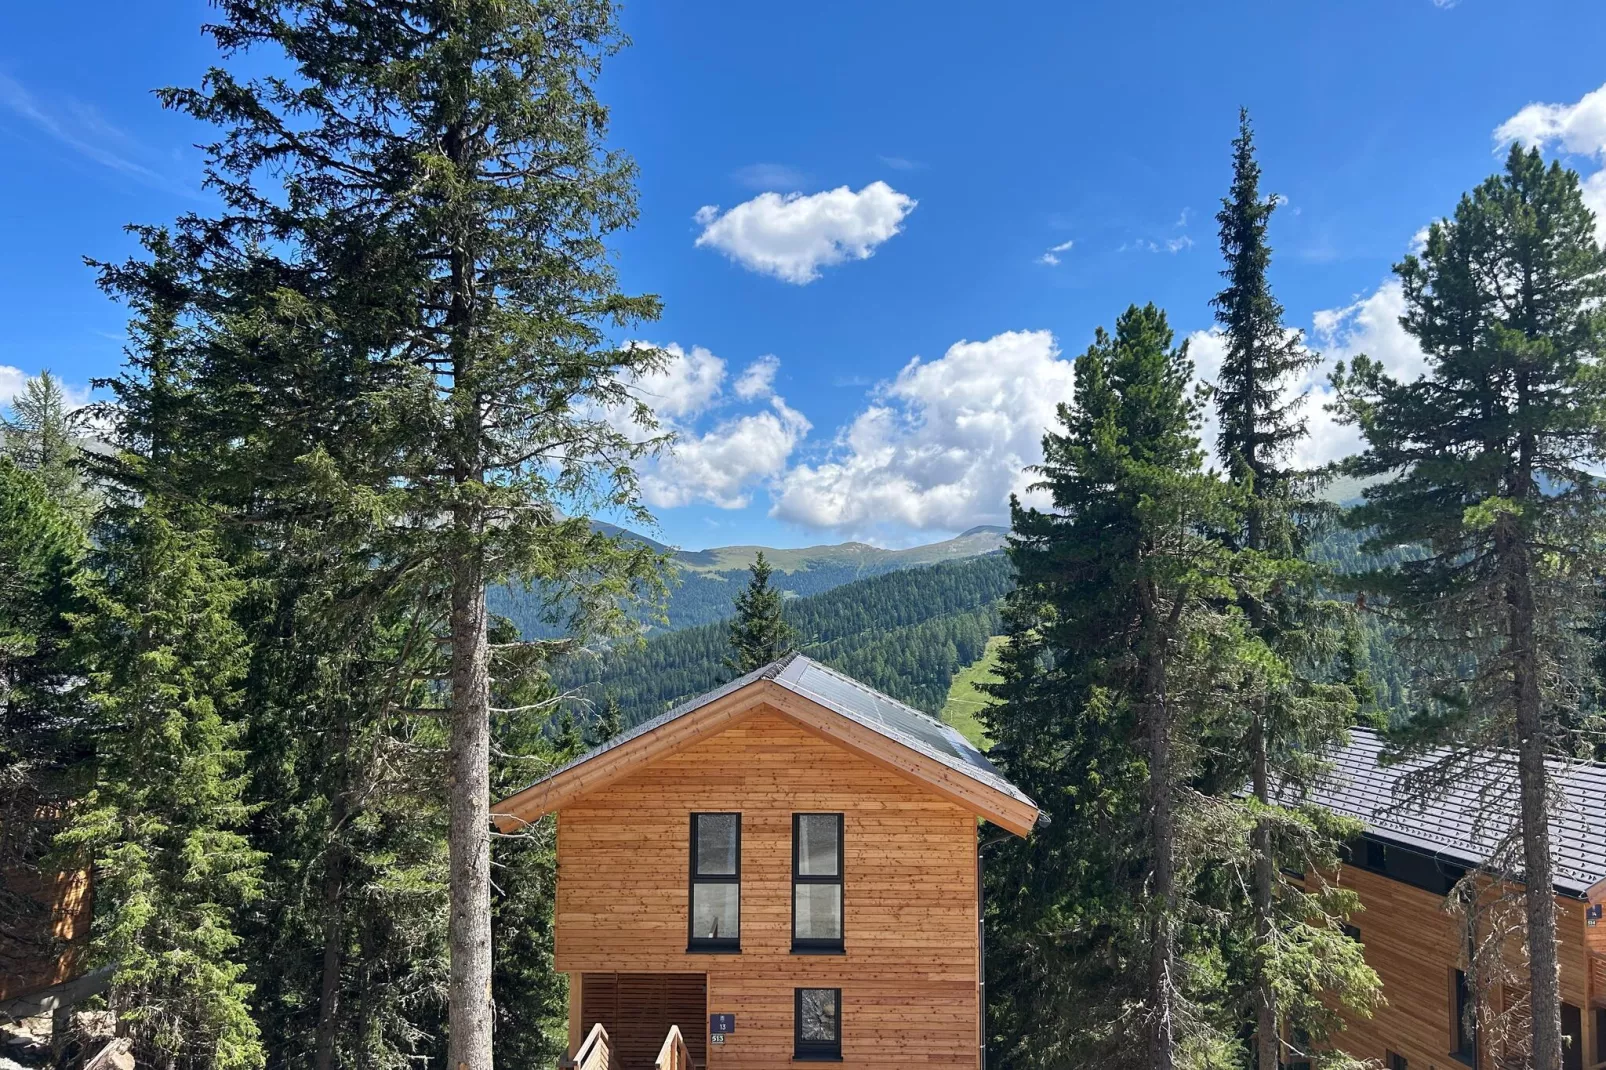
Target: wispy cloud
{"points": [[780, 177], [81, 128], [901, 163], [1051, 257], [1148, 245]]}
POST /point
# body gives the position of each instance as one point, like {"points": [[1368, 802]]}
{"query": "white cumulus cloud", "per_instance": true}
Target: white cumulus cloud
{"points": [[718, 456], [758, 378], [1578, 128], [941, 446], [723, 465], [792, 236]]}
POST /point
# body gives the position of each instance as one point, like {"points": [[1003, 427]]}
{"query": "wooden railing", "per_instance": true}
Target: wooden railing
{"points": [[596, 1053], [1597, 976], [673, 1055]]}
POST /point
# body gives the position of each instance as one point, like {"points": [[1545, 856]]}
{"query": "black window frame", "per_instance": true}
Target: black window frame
{"points": [[701, 944], [816, 946], [1393, 1060], [815, 1050], [1465, 1037]]}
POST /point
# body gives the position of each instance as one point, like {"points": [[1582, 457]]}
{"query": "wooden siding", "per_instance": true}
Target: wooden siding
{"points": [[908, 976], [45, 948], [1415, 946]]}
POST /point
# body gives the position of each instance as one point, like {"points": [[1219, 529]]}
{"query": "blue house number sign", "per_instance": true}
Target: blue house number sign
{"points": [[720, 1024]]}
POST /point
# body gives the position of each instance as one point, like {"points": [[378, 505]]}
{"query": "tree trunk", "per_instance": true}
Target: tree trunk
{"points": [[1534, 803], [468, 787], [468, 778], [1267, 1034], [334, 887], [1162, 843]]}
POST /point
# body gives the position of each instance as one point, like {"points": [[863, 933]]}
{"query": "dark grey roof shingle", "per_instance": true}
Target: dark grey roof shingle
{"points": [[1465, 822], [844, 695]]}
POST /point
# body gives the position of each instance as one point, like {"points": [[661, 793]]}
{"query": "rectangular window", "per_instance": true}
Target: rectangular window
{"points": [[1600, 1037], [1464, 1029], [817, 857], [1393, 1060], [818, 1031], [1572, 1031], [716, 883]]}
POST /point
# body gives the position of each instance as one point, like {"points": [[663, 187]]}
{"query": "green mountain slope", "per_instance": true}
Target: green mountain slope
{"points": [[705, 582], [905, 632], [964, 702]]}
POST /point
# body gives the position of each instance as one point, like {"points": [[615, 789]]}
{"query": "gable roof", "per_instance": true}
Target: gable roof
{"points": [[1448, 823], [822, 700]]}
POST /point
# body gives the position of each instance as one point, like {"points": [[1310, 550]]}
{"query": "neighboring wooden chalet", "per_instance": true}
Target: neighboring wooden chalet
{"points": [[785, 869], [1413, 853]]}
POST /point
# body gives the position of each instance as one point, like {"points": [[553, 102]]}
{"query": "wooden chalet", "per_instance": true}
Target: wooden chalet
{"points": [[1413, 853], [785, 869]]}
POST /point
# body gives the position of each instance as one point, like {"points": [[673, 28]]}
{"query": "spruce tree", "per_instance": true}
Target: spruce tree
{"points": [[41, 436], [1487, 462], [1112, 666], [1294, 634], [759, 634], [162, 815], [40, 553], [434, 247]]}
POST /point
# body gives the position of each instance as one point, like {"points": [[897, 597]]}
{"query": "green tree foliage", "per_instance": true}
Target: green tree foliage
{"points": [[41, 436], [390, 350], [1115, 662], [905, 633], [162, 818], [1487, 459], [40, 551], [1292, 708], [758, 633]]}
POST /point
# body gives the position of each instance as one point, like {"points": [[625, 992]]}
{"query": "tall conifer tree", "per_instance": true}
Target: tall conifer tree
{"points": [[758, 633], [163, 814], [1293, 634], [1486, 461], [1111, 668], [435, 248]]}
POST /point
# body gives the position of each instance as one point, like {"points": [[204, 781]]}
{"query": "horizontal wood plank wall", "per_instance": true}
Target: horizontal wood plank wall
{"points": [[908, 978], [1414, 944]]}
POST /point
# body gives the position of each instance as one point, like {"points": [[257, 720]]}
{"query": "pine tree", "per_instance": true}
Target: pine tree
{"points": [[1293, 633], [435, 251], [759, 634], [163, 815], [1486, 461], [1111, 667]]}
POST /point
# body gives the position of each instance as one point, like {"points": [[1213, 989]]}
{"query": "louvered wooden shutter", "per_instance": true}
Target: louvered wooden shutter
{"points": [[637, 1010]]}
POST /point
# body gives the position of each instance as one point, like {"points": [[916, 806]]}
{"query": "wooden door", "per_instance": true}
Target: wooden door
{"points": [[637, 1010]]}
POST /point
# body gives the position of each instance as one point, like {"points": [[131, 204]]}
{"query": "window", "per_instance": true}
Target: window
{"points": [[1351, 931], [1464, 1029], [817, 882], [1393, 1060], [716, 883], [1600, 1037], [1572, 1029], [818, 1031], [1405, 865]]}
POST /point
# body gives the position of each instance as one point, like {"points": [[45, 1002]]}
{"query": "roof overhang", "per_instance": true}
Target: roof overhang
{"points": [[613, 764]]}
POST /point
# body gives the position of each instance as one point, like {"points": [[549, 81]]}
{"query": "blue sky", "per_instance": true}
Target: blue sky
{"points": [[853, 211]]}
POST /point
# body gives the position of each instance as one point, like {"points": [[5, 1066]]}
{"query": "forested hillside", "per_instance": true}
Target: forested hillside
{"points": [[905, 633], [703, 583]]}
